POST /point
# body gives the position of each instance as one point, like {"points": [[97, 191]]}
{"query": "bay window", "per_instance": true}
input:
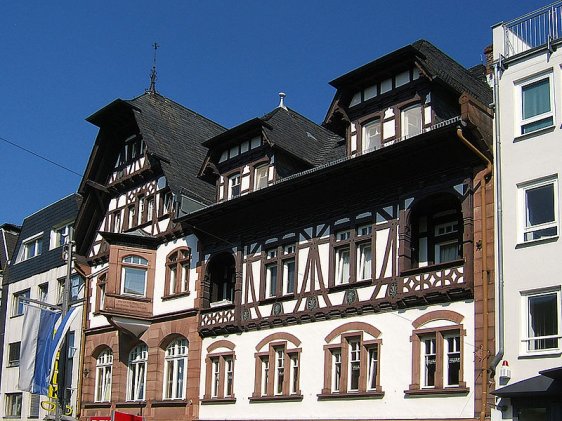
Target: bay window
{"points": [[134, 270]]}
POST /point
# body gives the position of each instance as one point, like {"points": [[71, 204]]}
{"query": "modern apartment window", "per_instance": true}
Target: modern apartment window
{"points": [[34, 402], [19, 302], [136, 383], [13, 405], [260, 176], [354, 366], [542, 325], [43, 292], [104, 366], [134, 270], [371, 136], [411, 121], [539, 209], [536, 104], [14, 354], [234, 186], [277, 371], [280, 271], [32, 248], [175, 369], [177, 271]]}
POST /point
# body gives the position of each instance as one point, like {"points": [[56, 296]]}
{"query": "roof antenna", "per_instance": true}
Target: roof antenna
{"points": [[282, 96], [153, 77]]}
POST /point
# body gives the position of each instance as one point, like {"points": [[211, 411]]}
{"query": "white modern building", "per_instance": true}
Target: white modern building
{"points": [[528, 87], [37, 272]]}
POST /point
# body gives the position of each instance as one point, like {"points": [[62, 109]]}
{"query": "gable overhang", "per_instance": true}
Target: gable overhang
{"points": [[132, 239]]}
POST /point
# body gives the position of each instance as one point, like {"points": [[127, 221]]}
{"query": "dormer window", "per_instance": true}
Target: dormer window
{"points": [[411, 119], [371, 136], [234, 186]]}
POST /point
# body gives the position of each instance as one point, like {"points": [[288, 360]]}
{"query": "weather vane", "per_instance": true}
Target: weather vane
{"points": [[153, 77]]}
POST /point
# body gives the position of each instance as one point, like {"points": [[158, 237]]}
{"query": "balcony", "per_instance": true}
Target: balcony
{"points": [[540, 28]]}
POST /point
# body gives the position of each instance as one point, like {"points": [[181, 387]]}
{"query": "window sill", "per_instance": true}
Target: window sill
{"points": [[376, 394], [552, 353], [217, 401], [220, 304], [433, 267], [130, 404], [342, 287], [130, 297], [178, 295], [16, 315], [170, 402], [278, 398], [435, 391], [533, 133], [13, 365], [272, 300], [96, 404], [530, 243]]}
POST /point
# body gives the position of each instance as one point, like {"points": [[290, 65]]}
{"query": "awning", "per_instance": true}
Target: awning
{"points": [[549, 383]]}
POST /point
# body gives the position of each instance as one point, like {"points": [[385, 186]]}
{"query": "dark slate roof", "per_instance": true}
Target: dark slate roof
{"points": [[435, 62], [175, 133], [8, 239], [65, 210], [294, 133], [452, 73]]}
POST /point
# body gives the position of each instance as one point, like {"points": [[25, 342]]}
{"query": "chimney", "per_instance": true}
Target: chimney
{"points": [[489, 59]]}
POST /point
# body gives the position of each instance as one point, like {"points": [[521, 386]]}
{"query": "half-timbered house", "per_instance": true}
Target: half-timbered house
{"points": [[343, 265], [141, 330]]}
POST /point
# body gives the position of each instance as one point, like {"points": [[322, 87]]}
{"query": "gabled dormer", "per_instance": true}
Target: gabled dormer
{"points": [[142, 170], [264, 150], [399, 96]]}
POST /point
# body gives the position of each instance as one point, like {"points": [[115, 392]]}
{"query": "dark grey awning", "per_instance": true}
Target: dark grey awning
{"points": [[544, 385]]}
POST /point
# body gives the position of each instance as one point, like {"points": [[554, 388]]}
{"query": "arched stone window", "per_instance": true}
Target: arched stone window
{"points": [[177, 272], [104, 366], [175, 369], [136, 378]]}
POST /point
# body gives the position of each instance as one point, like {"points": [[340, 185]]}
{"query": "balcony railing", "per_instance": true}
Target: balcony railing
{"points": [[537, 29]]}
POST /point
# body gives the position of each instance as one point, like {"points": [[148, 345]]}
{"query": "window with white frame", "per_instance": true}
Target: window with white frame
{"points": [[411, 121], [31, 247], [538, 208], [43, 292], [261, 174], [177, 272], [59, 235], [277, 371], [19, 302], [280, 271], [104, 365], [542, 321], [364, 252], [371, 136], [13, 405], [353, 255], [175, 369], [134, 270], [234, 186], [136, 382], [342, 256], [221, 376], [537, 103]]}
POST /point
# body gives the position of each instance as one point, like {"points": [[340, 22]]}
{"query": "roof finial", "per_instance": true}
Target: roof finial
{"points": [[153, 77], [282, 96]]}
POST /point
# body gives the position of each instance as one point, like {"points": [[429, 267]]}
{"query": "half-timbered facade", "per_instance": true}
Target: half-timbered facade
{"points": [[346, 279], [141, 352]]}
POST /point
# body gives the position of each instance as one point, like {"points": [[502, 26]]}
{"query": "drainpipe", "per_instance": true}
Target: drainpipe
{"points": [[485, 272], [499, 224]]}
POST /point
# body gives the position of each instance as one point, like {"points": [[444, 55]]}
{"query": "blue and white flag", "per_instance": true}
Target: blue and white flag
{"points": [[42, 338]]}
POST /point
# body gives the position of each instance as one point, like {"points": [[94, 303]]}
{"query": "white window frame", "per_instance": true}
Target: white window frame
{"points": [[23, 253], [404, 129], [447, 337], [522, 207], [364, 135], [354, 360], [336, 370], [525, 313], [426, 356], [234, 180], [135, 265], [59, 235], [136, 373], [520, 121], [175, 365], [261, 176], [16, 302], [104, 368]]}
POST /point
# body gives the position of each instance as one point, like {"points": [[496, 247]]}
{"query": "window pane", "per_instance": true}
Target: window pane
{"points": [[289, 276], [372, 369], [536, 98], [540, 205], [429, 362], [543, 321], [453, 360], [134, 281], [342, 265], [411, 121], [371, 138], [271, 274], [354, 365], [364, 263], [261, 177]]}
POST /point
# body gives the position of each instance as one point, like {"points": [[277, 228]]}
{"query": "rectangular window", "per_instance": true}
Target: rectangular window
{"points": [[543, 321], [34, 401], [536, 104], [452, 360], [294, 373], [411, 121], [13, 405], [14, 354], [539, 209], [260, 177], [271, 279], [429, 361], [342, 265], [43, 292], [372, 369], [234, 186], [229, 374], [289, 276], [371, 136], [279, 370], [19, 302], [59, 235], [216, 377], [354, 365], [32, 248], [336, 370], [364, 261], [264, 375]]}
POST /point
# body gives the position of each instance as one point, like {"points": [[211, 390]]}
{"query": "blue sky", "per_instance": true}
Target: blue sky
{"points": [[63, 60]]}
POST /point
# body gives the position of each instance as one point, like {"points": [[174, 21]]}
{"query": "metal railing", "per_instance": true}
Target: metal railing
{"points": [[536, 29]]}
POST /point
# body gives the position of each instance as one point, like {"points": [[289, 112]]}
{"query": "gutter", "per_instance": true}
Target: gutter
{"points": [[485, 271]]}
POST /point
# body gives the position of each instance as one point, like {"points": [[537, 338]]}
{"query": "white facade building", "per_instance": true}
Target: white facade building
{"points": [[529, 159]]}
